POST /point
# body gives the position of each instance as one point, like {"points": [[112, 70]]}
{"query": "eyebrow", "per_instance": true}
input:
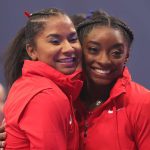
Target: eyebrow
{"points": [[93, 42], [58, 35], [117, 45], [53, 35], [72, 34]]}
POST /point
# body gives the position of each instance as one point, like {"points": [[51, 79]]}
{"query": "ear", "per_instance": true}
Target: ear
{"points": [[127, 57], [31, 52]]}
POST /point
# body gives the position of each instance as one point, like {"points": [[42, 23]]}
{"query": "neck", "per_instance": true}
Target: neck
{"points": [[92, 93]]}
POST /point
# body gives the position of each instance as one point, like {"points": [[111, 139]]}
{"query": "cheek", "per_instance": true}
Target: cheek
{"points": [[120, 64], [120, 67], [78, 49], [47, 57], [86, 62], [88, 59]]}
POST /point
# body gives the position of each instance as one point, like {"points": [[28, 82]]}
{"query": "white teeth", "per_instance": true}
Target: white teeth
{"points": [[102, 71], [66, 60]]}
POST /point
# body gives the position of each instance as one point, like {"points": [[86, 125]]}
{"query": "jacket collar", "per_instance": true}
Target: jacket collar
{"points": [[121, 83], [69, 84]]}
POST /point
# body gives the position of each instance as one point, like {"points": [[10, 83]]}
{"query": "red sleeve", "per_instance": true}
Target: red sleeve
{"points": [[44, 122], [142, 126]]}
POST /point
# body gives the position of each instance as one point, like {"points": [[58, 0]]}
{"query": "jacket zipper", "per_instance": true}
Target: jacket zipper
{"points": [[85, 129]]}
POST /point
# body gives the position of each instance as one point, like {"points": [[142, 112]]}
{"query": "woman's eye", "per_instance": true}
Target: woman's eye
{"points": [[117, 53], [73, 39], [55, 41], [92, 49]]}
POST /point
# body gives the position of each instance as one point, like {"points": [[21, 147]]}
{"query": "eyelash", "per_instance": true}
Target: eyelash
{"points": [[117, 53], [93, 50], [57, 41], [73, 39], [114, 53], [54, 41]]}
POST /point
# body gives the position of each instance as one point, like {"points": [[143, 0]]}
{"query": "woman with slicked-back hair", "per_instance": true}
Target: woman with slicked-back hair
{"points": [[41, 73]]}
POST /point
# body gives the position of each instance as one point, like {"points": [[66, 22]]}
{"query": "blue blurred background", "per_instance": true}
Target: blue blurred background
{"points": [[135, 12]]}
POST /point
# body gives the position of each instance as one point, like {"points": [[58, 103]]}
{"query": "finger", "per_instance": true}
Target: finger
{"points": [[3, 122], [2, 128], [2, 136], [2, 145]]}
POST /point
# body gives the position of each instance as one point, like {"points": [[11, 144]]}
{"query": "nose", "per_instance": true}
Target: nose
{"points": [[103, 58], [67, 47]]}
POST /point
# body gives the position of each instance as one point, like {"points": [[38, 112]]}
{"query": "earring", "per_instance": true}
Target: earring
{"points": [[126, 60]]}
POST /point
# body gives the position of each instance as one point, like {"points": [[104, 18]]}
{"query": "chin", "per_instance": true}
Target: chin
{"points": [[102, 82], [68, 71]]}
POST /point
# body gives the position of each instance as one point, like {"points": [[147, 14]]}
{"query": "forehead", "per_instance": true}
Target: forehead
{"points": [[105, 32], [58, 22]]}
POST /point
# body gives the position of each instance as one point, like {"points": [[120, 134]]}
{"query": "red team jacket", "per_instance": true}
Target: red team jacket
{"points": [[121, 123], [38, 110]]}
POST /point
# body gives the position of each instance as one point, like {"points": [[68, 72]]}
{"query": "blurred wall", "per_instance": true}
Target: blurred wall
{"points": [[135, 13]]}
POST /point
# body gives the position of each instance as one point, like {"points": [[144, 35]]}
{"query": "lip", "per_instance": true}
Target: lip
{"points": [[101, 73], [68, 61]]}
